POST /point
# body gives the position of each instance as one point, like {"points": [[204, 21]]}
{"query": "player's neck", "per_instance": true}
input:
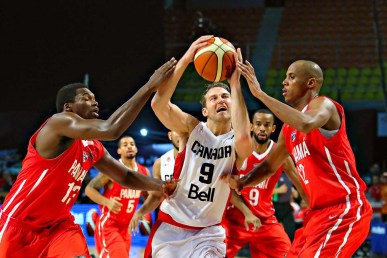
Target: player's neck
{"points": [[261, 147], [129, 163], [304, 101], [218, 128]]}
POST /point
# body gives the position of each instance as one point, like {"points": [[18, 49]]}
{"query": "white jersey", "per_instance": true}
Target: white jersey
{"points": [[201, 196], [167, 163]]}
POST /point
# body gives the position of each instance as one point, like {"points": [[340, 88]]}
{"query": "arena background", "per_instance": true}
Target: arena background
{"points": [[115, 47]]}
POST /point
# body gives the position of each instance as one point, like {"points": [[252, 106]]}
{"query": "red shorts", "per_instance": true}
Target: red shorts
{"points": [[335, 231], [111, 239], [20, 240], [270, 240]]}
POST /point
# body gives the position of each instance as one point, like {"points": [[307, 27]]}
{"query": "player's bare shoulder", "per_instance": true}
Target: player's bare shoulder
{"points": [[50, 141]]}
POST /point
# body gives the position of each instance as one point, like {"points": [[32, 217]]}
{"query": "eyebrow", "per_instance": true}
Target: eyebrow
{"points": [[87, 94]]}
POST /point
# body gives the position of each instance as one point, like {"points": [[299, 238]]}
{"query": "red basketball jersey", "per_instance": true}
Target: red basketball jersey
{"points": [[129, 200], [326, 166], [258, 198], [46, 189]]}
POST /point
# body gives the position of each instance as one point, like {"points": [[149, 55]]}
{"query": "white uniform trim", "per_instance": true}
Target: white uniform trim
{"points": [[348, 207], [171, 241]]}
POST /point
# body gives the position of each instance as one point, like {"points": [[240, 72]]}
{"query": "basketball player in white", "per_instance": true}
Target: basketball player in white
{"points": [[188, 222]]}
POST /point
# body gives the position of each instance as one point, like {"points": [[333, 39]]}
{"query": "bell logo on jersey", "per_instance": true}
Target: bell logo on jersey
{"points": [[300, 151], [203, 196], [210, 153]]}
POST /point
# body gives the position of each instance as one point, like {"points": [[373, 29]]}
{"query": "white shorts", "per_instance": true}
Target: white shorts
{"points": [[170, 241]]}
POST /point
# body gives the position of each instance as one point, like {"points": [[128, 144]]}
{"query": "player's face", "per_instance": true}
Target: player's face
{"points": [[263, 127], [295, 84], [85, 104], [174, 137], [218, 104], [127, 148]]}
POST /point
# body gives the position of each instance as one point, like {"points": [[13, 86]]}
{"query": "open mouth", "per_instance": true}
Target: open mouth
{"points": [[95, 112], [221, 109]]}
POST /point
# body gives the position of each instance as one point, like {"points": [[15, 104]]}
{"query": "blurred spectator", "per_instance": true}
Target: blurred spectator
{"points": [[375, 169], [283, 210], [373, 192]]}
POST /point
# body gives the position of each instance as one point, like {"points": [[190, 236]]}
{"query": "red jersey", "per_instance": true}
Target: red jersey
{"points": [[46, 189], [326, 165], [258, 198], [129, 200]]}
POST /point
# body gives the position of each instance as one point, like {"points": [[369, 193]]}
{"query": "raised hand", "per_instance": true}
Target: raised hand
{"points": [[114, 205], [200, 42], [248, 72], [236, 73], [160, 76]]}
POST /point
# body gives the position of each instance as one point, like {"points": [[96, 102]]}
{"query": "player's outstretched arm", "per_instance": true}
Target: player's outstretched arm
{"points": [[152, 202], [252, 222], [126, 177], [169, 114], [240, 117], [319, 114], [71, 125]]}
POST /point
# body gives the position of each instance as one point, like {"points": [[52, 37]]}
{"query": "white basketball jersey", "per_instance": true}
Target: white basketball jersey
{"points": [[201, 196], [167, 163]]}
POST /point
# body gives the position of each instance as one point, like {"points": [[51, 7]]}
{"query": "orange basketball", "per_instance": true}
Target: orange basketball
{"points": [[215, 62]]}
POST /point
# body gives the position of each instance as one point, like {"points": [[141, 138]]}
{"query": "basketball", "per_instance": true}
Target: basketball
{"points": [[215, 62]]}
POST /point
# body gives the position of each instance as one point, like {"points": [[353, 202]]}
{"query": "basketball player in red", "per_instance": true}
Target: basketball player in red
{"points": [[270, 240], [314, 135], [162, 169], [117, 204], [35, 219], [188, 223]]}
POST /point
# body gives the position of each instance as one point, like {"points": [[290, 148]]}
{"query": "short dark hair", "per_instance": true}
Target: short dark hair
{"points": [[123, 137], [209, 87], [264, 111], [67, 94]]}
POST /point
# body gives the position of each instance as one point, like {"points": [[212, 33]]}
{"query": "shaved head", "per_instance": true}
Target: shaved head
{"points": [[310, 69]]}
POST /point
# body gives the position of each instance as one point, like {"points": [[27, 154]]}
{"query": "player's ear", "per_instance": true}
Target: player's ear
{"points": [[312, 82], [204, 112], [273, 128], [170, 135], [67, 107]]}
